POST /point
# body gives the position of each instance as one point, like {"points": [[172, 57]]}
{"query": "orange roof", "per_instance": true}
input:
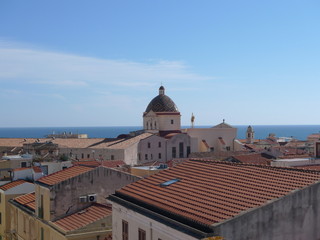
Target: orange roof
{"points": [[37, 169], [27, 200], [113, 163], [13, 184], [255, 158], [84, 217], [105, 163], [309, 167], [91, 163], [209, 192], [21, 169], [63, 175]]}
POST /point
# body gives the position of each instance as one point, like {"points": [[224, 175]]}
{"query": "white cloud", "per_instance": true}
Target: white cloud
{"points": [[34, 66]]}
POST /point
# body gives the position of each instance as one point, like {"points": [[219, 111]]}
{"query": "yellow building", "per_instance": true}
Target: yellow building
{"points": [[7, 192], [69, 204], [91, 223]]}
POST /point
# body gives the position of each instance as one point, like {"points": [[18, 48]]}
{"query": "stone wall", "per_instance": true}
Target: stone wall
{"points": [[295, 216], [101, 181]]}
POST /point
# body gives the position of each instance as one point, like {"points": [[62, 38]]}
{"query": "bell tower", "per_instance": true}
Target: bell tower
{"points": [[250, 135]]}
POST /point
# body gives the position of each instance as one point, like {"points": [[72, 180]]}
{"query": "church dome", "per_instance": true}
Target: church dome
{"points": [[162, 103]]}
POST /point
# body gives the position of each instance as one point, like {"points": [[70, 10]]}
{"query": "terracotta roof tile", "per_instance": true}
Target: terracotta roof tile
{"points": [[37, 169], [309, 167], [113, 163], [209, 192], [21, 169], [105, 163], [84, 217], [255, 158], [13, 184], [63, 175], [93, 163], [27, 200]]}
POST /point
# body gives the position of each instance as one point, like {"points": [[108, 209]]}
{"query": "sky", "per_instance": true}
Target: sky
{"points": [[99, 63]]}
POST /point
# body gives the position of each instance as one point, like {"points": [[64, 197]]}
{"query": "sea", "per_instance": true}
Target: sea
{"points": [[299, 132]]}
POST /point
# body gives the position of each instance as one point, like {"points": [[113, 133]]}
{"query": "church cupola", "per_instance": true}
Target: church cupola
{"points": [[161, 114], [161, 90]]}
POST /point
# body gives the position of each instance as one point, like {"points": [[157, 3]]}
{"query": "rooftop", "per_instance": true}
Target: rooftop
{"points": [[13, 184], [84, 217], [208, 192], [253, 158], [27, 200], [63, 175]]}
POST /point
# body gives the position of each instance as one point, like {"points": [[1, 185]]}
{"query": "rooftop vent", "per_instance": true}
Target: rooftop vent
{"points": [[167, 183]]}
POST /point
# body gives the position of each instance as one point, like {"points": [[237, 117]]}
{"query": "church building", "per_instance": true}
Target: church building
{"points": [[162, 115]]}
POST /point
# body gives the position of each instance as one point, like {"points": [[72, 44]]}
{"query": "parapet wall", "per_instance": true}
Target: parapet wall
{"points": [[295, 216]]}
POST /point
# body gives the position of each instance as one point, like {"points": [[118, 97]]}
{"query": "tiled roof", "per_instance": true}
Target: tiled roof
{"points": [[37, 169], [105, 163], [309, 167], [255, 158], [27, 200], [210, 192], [113, 163], [10, 185], [63, 175], [223, 125], [124, 143], [87, 163], [77, 142], [21, 169], [84, 217]]}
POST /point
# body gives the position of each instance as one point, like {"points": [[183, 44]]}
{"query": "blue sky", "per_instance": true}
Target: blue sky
{"points": [[99, 63]]}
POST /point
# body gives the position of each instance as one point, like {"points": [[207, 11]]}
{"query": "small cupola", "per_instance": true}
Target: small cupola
{"points": [[161, 90]]}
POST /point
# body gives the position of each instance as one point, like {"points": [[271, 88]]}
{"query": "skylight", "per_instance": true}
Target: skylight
{"points": [[167, 183]]}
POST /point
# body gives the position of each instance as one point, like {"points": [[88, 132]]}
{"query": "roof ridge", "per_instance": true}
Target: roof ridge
{"points": [[252, 164]]}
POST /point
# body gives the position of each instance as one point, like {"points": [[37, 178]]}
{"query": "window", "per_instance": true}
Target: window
{"points": [[0, 218], [42, 234], [149, 145], [151, 156], [24, 225], [139, 156], [228, 148], [146, 156], [174, 152], [159, 144], [171, 121], [125, 230], [142, 234], [112, 157], [88, 155], [82, 155], [40, 209], [181, 150], [188, 151], [23, 164], [159, 156]]}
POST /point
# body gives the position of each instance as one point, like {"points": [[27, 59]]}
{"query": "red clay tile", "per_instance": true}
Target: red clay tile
{"points": [[7, 186], [84, 217], [63, 175], [211, 191]]}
